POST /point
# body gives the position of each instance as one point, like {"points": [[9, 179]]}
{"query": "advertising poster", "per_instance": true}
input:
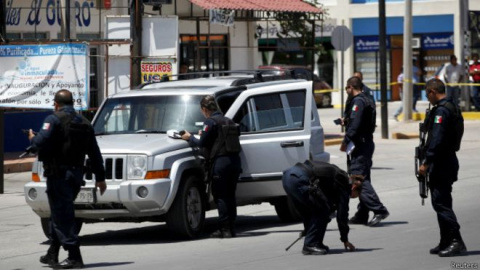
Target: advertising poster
{"points": [[30, 75], [152, 71]]}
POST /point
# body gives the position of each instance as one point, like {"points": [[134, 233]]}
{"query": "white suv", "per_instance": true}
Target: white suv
{"points": [[154, 177]]}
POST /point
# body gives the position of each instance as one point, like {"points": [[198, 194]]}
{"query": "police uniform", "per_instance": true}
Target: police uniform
{"points": [[359, 132], [315, 211], [64, 180], [225, 170], [443, 169]]}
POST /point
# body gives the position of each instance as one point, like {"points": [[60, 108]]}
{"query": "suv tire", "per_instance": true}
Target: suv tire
{"points": [[286, 211], [187, 213], [46, 226]]}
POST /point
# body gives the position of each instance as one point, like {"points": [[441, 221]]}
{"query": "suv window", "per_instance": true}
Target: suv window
{"points": [[149, 114], [272, 112]]}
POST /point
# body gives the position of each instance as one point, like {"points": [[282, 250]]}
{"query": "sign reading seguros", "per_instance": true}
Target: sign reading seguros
{"points": [[30, 75]]}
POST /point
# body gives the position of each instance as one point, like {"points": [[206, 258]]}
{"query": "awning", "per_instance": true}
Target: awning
{"points": [[258, 5]]}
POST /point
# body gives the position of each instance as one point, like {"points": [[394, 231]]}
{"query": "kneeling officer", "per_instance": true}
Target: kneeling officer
{"points": [[317, 189]]}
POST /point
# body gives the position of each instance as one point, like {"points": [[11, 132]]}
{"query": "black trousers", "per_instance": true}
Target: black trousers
{"points": [[226, 170], [441, 193], [361, 164], [315, 218], [62, 191]]}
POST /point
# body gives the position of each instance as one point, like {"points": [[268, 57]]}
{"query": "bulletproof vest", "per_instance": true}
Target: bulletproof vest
{"points": [[73, 139], [370, 112], [456, 130], [228, 137]]}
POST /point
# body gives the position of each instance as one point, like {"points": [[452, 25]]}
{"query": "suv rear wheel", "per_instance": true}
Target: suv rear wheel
{"points": [[187, 214], [286, 211]]}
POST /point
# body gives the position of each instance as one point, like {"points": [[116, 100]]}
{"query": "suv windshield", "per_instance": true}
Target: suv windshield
{"points": [[149, 114]]}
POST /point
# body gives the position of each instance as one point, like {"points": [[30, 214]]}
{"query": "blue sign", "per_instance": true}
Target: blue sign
{"points": [[368, 44], [437, 41]]}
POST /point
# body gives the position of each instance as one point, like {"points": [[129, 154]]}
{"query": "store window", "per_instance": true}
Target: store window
{"points": [[213, 58]]}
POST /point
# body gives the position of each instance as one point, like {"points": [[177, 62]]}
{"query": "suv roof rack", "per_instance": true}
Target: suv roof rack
{"points": [[258, 75]]}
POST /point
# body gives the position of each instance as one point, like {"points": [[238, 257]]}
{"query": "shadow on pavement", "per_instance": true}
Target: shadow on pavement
{"points": [[246, 226], [341, 251], [105, 264]]}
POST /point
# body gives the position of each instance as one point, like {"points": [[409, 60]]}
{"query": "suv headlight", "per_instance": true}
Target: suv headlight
{"points": [[136, 167]]}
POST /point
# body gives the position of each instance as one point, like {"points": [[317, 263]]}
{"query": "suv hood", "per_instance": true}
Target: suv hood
{"points": [[150, 144]]}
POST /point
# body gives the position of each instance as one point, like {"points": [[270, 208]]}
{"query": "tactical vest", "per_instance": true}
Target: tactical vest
{"points": [[73, 139], [228, 137], [455, 132]]}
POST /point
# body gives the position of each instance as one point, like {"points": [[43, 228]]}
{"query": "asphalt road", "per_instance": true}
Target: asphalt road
{"points": [[400, 242]]}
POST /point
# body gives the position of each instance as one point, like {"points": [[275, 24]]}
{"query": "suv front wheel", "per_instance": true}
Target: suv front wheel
{"points": [[187, 213]]}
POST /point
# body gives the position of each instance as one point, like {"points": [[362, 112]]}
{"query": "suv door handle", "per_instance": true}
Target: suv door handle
{"points": [[292, 144]]}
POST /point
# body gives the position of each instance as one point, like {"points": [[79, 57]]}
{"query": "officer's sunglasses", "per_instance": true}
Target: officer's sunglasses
{"points": [[429, 91]]}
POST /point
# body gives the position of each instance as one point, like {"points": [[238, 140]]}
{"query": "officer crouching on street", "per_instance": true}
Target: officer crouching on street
{"points": [[316, 188], [62, 143]]}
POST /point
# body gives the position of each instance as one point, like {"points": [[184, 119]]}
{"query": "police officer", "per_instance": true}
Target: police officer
{"points": [[441, 163], [316, 188], [368, 92], [225, 168], [64, 170], [358, 143]]}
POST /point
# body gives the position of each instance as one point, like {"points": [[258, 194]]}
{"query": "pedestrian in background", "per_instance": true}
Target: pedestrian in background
{"points": [[453, 76], [359, 146], [62, 143], [417, 78], [225, 166], [444, 133], [317, 189], [475, 73], [400, 91]]}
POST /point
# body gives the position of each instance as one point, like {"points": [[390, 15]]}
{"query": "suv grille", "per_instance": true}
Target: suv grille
{"points": [[114, 168]]}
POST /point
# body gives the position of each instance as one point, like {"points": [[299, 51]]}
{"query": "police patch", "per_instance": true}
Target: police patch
{"points": [[205, 128], [438, 119], [46, 126], [355, 108]]}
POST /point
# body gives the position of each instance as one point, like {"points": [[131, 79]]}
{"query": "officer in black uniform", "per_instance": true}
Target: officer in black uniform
{"points": [[317, 188], [64, 170], [442, 165], [358, 143], [224, 169]]}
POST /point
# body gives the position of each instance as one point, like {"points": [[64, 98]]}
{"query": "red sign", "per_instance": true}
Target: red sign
{"points": [[107, 4]]}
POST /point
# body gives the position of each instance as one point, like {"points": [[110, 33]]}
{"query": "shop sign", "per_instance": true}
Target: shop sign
{"points": [[222, 17], [437, 41], [152, 71], [30, 75], [368, 44], [46, 12]]}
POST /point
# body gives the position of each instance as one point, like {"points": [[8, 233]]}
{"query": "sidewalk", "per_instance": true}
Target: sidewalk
{"points": [[13, 164]]}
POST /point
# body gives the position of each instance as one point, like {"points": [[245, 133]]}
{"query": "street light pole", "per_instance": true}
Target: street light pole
{"points": [[407, 63], [383, 67]]}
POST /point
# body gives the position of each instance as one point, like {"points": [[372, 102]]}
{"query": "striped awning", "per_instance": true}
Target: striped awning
{"points": [[259, 5]]}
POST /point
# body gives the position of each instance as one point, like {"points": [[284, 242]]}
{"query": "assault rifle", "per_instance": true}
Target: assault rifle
{"points": [[419, 158]]}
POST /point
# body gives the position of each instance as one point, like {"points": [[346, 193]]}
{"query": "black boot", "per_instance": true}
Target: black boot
{"points": [[74, 260], [441, 246], [51, 258], [456, 247], [223, 232]]}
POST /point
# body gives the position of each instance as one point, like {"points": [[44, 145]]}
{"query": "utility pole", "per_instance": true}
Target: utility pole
{"points": [[136, 41], [383, 67], [3, 37], [465, 45], [407, 62]]}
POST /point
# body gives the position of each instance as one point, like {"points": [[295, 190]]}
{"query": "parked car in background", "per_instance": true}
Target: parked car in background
{"points": [[322, 90]]}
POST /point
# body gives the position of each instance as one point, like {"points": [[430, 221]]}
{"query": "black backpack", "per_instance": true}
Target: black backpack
{"points": [[228, 140], [75, 135]]}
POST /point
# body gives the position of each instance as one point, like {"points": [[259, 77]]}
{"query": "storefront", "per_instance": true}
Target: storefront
{"points": [[432, 46]]}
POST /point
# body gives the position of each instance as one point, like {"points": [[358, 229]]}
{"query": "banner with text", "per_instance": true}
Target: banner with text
{"points": [[30, 75]]}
